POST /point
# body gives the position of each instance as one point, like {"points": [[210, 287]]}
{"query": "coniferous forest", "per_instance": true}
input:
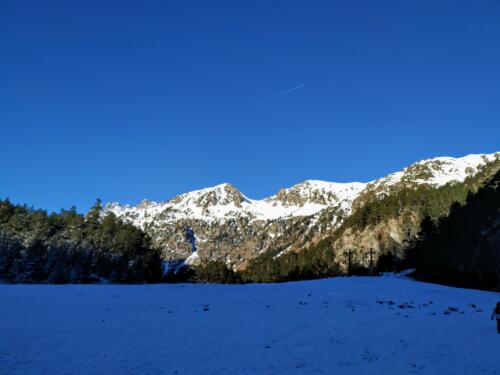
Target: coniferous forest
{"points": [[462, 249], [66, 247]]}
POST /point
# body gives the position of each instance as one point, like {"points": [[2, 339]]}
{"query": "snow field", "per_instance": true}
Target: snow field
{"points": [[358, 325]]}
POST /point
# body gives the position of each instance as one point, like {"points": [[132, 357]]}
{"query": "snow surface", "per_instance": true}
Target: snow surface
{"points": [[331, 326]]}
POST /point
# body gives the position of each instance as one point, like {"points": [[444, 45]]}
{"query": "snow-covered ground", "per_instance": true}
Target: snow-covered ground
{"points": [[334, 326]]}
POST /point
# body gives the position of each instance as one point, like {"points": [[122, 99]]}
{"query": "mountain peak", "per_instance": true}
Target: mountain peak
{"points": [[222, 194], [437, 171], [318, 192]]}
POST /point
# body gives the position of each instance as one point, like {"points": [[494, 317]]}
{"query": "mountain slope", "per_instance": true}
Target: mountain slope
{"points": [[227, 226]]}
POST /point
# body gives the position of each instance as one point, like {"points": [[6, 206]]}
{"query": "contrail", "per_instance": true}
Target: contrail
{"points": [[284, 93]]}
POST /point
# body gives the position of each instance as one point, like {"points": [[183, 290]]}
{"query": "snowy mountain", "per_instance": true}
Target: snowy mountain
{"points": [[224, 201], [230, 227], [435, 172]]}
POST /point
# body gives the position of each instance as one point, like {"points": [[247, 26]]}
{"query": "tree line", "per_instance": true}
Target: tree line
{"points": [[462, 249], [67, 247]]}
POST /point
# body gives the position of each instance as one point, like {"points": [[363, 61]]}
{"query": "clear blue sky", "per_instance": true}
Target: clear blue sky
{"points": [[125, 100]]}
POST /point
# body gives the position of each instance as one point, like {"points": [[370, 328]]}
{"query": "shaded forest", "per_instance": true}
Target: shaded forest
{"points": [[462, 249], [66, 247]]}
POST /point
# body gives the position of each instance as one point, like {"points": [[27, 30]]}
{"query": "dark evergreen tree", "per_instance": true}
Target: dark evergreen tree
{"points": [[67, 247], [464, 248]]}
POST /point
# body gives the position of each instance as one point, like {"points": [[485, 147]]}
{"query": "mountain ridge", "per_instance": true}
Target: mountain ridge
{"points": [[230, 227], [467, 161]]}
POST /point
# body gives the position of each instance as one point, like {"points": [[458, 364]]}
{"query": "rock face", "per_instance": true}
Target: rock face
{"points": [[223, 224], [391, 236]]}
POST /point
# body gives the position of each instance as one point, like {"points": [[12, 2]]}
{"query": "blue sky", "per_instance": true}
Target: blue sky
{"points": [[125, 100]]}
